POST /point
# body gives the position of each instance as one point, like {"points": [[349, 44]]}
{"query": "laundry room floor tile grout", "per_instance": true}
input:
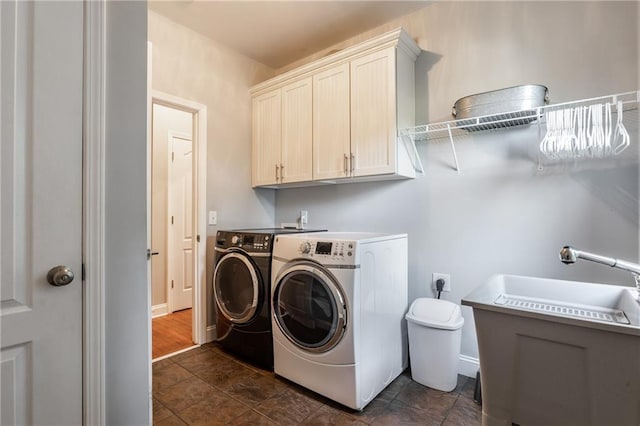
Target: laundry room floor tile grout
{"points": [[208, 386]]}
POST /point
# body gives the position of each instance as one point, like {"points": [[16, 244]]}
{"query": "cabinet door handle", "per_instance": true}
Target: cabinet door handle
{"points": [[346, 164], [353, 162], [281, 172], [277, 172]]}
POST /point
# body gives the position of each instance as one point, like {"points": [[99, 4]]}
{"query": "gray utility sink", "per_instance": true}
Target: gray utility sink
{"points": [[557, 352], [602, 306]]}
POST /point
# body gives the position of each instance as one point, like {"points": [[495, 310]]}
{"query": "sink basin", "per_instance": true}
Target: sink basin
{"points": [[602, 306], [556, 352]]}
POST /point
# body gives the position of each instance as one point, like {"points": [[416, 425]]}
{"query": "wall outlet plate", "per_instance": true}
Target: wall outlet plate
{"points": [[447, 281], [304, 216]]}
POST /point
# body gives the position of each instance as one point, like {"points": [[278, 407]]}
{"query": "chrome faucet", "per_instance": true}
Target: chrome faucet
{"points": [[569, 255]]}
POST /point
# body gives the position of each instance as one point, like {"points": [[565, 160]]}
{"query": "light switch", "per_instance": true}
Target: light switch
{"points": [[213, 217]]}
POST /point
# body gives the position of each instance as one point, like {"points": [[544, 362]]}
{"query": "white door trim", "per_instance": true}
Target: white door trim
{"points": [[148, 212], [93, 200], [199, 112]]}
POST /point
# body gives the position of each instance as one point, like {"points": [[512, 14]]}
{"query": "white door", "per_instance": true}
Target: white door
{"points": [[41, 72], [181, 223]]}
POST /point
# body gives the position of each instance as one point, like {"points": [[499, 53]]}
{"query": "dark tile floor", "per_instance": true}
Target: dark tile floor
{"points": [[207, 386]]}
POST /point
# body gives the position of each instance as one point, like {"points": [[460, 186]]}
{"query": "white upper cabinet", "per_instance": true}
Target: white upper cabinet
{"points": [[267, 137], [281, 147], [331, 123], [373, 113], [339, 117], [295, 164]]}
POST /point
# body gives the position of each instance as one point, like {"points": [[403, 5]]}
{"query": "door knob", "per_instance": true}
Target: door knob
{"points": [[60, 275]]}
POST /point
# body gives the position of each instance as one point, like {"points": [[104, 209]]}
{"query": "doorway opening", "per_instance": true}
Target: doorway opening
{"points": [[178, 227]]}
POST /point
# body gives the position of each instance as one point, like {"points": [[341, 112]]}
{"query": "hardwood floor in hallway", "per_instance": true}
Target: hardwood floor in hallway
{"points": [[170, 333]]}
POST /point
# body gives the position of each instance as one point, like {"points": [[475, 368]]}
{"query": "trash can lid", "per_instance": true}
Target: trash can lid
{"points": [[435, 313]]}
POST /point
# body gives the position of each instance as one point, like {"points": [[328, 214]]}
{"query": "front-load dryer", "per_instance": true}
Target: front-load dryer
{"points": [[241, 290], [338, 306]]}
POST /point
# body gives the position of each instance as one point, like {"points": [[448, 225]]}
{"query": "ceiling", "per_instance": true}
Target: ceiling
{"points": [[277, 33]]}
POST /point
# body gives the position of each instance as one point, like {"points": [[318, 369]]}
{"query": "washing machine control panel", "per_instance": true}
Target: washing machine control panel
{"points": [[341, 251], [305, 247]]}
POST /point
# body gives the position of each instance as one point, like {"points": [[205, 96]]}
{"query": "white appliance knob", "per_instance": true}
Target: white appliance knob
{"points": [[234, 239], [305, 247]]}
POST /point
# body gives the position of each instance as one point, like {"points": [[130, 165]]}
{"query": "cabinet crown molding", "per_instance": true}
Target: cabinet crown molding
{"points": [[398, 38]]}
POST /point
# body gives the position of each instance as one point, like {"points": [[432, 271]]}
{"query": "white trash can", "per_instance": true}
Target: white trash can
{"points": [[435, 328]]}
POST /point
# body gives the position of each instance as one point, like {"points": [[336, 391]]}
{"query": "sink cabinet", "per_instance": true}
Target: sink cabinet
{"points": [[337, 119]]}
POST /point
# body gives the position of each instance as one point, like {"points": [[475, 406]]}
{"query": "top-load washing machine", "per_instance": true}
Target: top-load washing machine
{"points": [[241, 290], [338, 303]]}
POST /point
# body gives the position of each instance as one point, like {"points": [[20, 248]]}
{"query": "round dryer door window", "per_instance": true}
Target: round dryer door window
{"points": [[309, 307], [236, 287]]}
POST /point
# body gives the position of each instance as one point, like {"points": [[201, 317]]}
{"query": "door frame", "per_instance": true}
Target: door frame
{"points": [[94, 212], [199, 140], [95, 69], [169, 243]]}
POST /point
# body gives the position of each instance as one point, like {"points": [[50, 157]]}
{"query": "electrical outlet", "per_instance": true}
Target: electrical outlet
{"points": [[447, 281], [304, 217], [213, 217]]}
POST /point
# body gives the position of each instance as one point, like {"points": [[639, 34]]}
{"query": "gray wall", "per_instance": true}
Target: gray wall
{"points": [[188, 65], [501, 215], [127, 295]]}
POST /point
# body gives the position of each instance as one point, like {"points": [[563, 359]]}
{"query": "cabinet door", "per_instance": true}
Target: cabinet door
{"points": [[267, 137], [331, 123], [373, 113], [296, 132]]}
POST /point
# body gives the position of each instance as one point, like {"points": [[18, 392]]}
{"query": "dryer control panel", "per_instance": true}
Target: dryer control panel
{"points": [[258, 240], [249, 242]]}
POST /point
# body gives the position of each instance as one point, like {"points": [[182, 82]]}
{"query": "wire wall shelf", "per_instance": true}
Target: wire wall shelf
{"points": [[530, 117]]}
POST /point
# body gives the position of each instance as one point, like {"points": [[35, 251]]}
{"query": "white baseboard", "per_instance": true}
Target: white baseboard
{"points": [[468, 366], [211, 333], [159, 310]]}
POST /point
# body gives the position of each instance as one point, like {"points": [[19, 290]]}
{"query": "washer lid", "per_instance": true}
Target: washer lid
{"points": [[435, 313]]}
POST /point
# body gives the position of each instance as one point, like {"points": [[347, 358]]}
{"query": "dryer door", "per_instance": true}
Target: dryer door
{"points": [[236, 285], [309, 306]]}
